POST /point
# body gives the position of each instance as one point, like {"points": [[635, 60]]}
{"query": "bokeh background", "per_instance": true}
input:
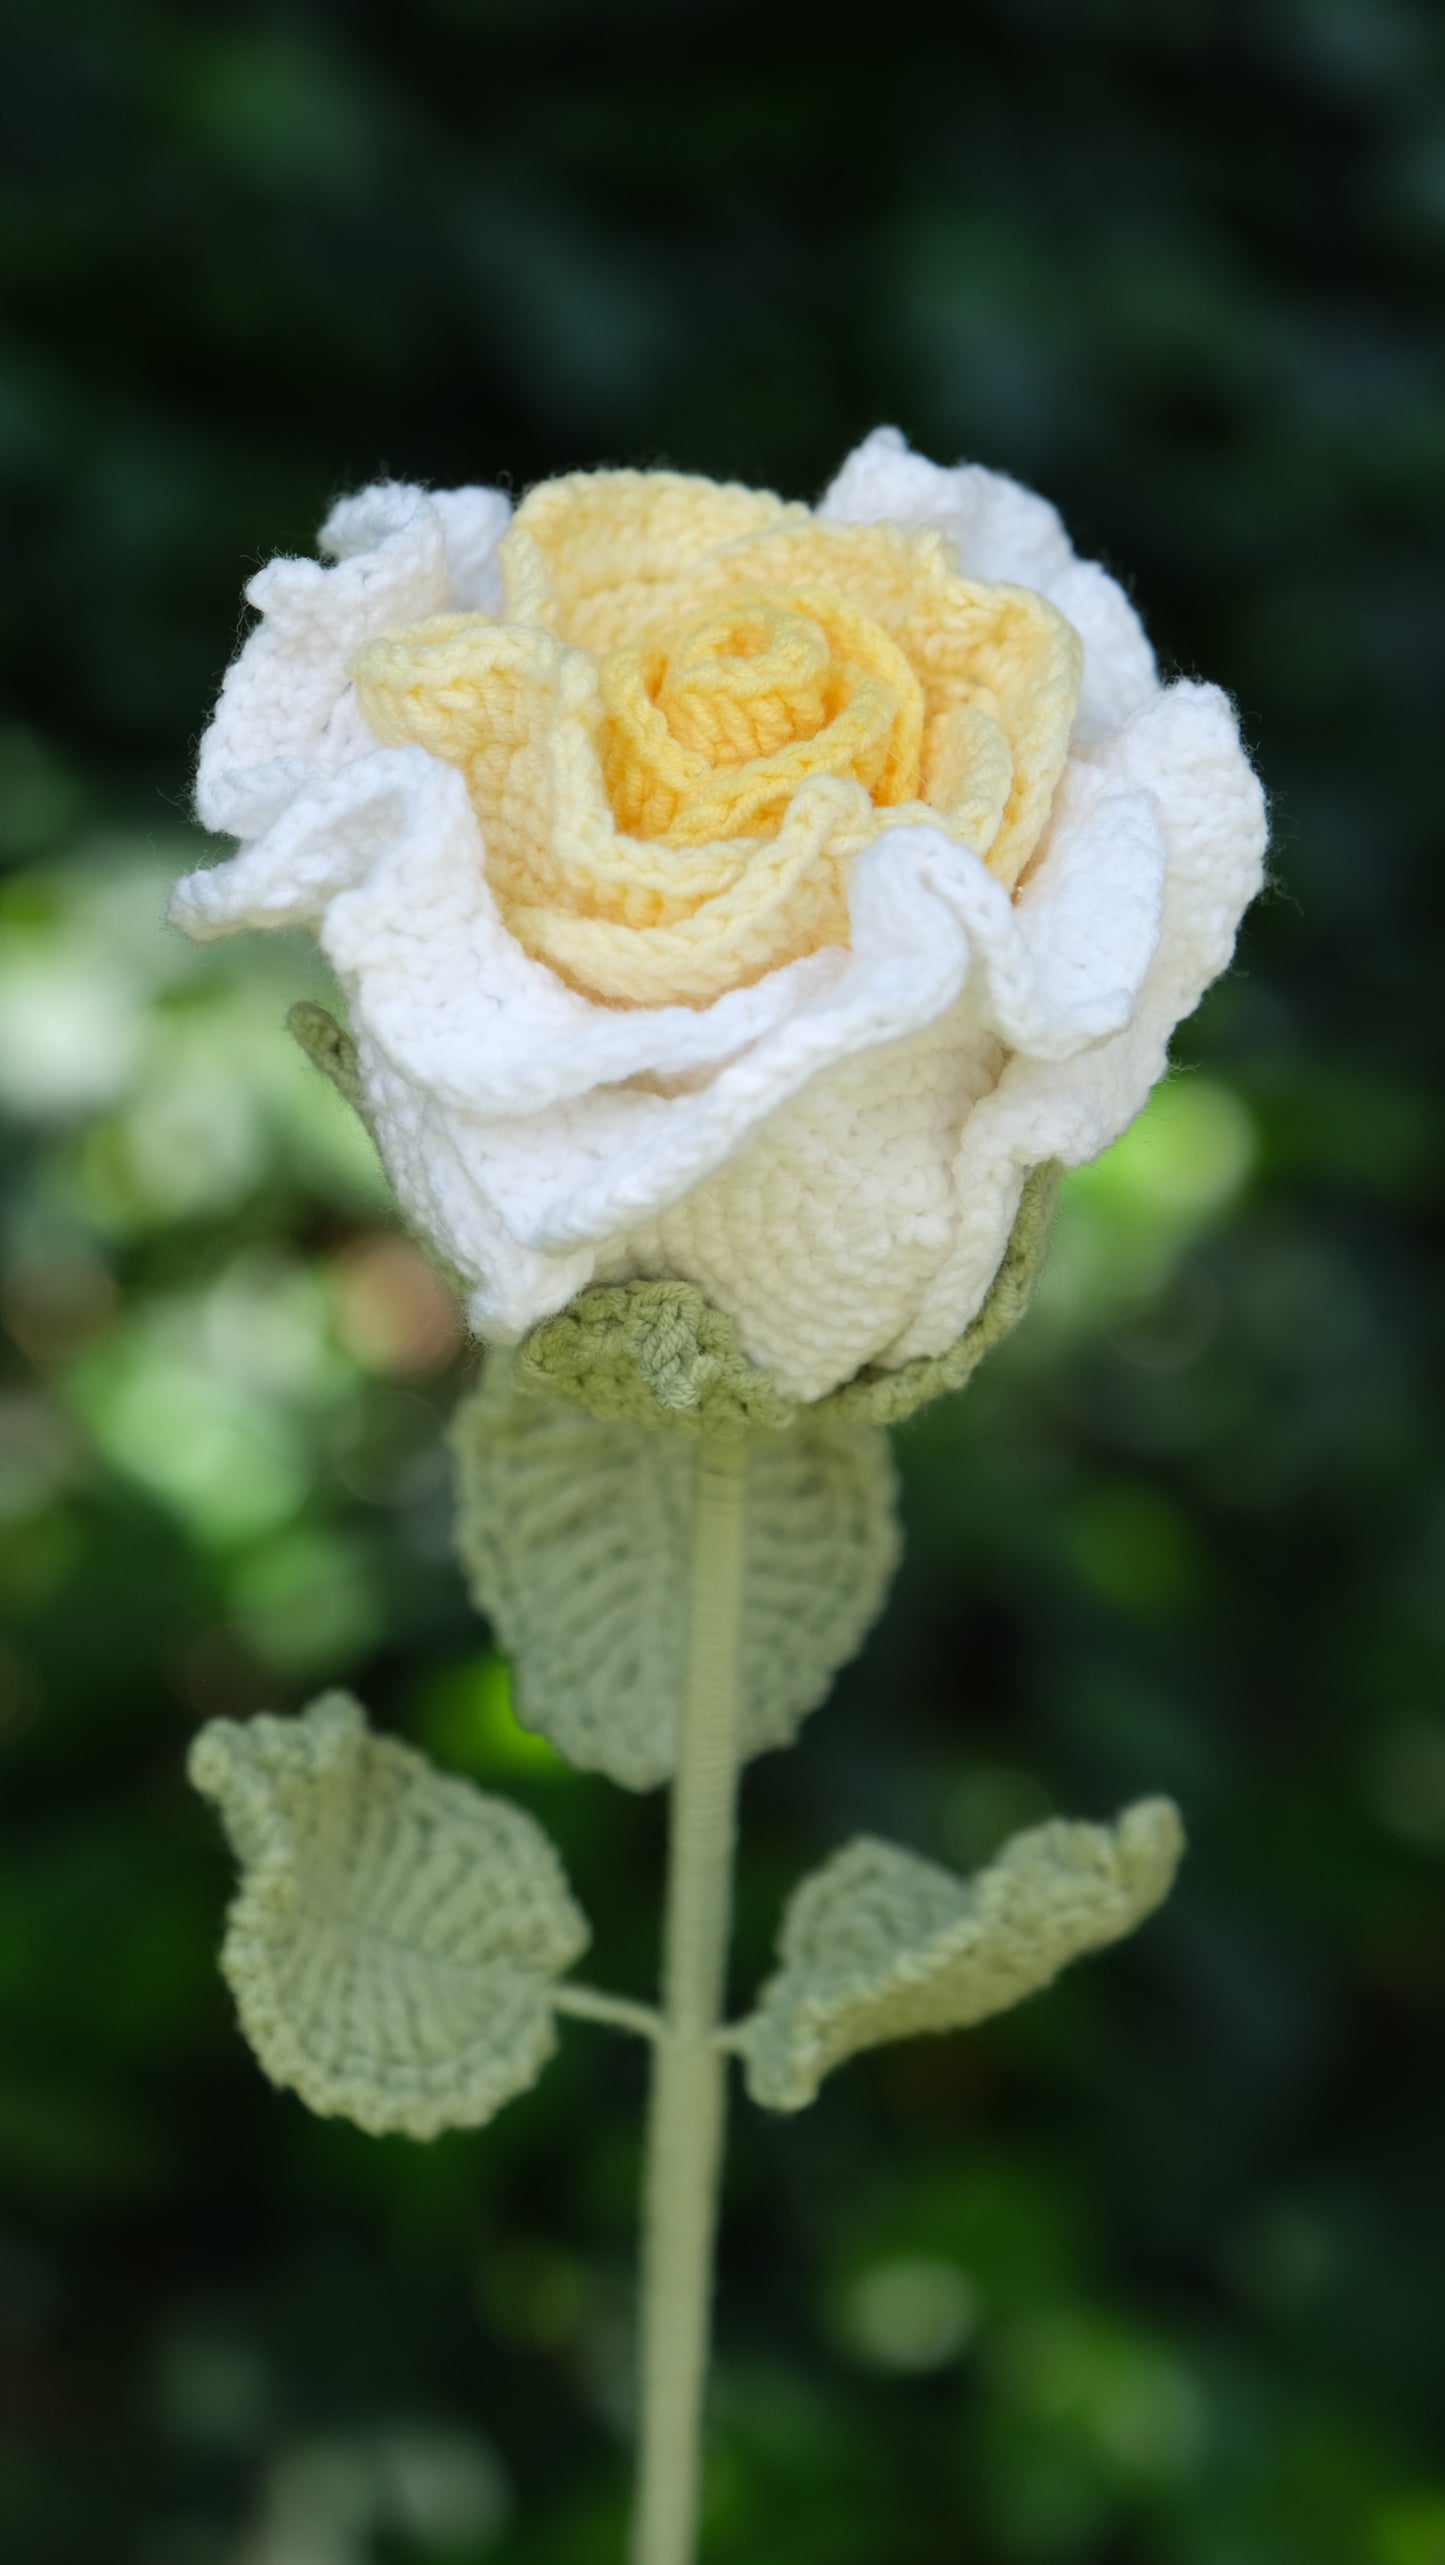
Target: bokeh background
{"points": [[1152, 2273]]}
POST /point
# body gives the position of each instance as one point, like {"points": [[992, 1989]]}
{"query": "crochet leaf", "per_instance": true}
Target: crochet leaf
{"points": [[879, 1944], [395, 1936], [576, 1538]]}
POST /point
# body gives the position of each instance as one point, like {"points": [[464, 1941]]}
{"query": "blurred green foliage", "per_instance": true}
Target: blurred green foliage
{"points": [[1153, 2272]]}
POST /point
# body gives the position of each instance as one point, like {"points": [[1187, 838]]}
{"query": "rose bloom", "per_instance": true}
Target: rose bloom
{"points": [[728, 889]]}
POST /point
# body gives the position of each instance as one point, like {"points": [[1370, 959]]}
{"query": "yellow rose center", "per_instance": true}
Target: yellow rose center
{"points": [[700, 706], [710, 726]]}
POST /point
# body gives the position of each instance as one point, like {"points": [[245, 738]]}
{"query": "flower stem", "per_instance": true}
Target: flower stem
{"points": [[686, 2112]]}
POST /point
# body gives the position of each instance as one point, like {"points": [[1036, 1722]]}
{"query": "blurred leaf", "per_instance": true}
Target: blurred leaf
{"points": [[879, 1945]]}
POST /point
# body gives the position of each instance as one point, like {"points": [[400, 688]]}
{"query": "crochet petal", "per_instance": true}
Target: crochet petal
{"points": [[1185, 750], [458, 1005], [327, 837], [527, 1128], [473, 523], [834, 1153], [1001, 531], [285, 711], [592, 557], [820, 1233], [504, 1104], [439, 984]]}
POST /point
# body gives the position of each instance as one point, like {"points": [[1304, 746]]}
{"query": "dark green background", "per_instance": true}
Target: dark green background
{"points": [[1152, 2273]]}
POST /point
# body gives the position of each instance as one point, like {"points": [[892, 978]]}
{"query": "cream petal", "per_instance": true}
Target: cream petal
{"points": [[450, 1171], [821, 1234], [473, 522], [417, 938], [467, 1014], [926, 915], [526, 1127], [928, 922], [999, 529]]}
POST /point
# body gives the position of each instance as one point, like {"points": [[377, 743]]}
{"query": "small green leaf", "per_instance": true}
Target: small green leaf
{"points": [[576, 1536], [395, 1936], [880, 1944], [329, 1048]]}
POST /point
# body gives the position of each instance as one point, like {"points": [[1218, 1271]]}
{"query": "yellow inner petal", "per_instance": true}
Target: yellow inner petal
{"points": [[700, 707], [595, 557], [709, 730]]}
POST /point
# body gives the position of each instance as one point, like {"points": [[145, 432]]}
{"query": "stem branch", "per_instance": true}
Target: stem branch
{"points": [[592, 2004], [686, 2112]]}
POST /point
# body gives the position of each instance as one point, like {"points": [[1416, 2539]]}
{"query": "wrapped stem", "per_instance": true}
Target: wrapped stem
{"points": [[688, 2102]]}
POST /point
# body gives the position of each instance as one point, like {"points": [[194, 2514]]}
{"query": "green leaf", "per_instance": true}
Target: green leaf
{"points": [[880, 1944], [395, 1936], [576, 1536], [329, 1048]]}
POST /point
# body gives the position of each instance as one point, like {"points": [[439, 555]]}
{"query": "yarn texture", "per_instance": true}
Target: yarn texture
{"points": [[576, 1537], [880, 1944], [728, 892], [698, 707], [659, 1354], [394, 1942]]}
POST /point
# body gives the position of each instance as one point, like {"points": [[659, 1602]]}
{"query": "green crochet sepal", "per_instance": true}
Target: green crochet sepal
{"points": [[658, 1354], [576, 1538], [395, 1941], [653, 1353], [880, 1944], [330, 1048]]}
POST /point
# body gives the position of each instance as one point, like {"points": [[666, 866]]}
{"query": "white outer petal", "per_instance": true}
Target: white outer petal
{"points": [[286, 712], [1185, 751], [929, 922], [529, 1129], [1000, 530]]}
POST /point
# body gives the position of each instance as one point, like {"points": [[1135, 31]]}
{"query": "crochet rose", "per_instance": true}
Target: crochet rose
{"points": [[730, 890]]}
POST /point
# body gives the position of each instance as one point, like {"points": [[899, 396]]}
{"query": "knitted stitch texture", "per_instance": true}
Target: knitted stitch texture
{"points": [[394, 1941], [659, 1354], [576, 1536], [653, 1354], [681, 735], [880, 1944], [726, 892]]}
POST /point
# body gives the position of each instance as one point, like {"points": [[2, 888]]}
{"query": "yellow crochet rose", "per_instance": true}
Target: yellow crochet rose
{"points": [[699, 705], [710, 889]]}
